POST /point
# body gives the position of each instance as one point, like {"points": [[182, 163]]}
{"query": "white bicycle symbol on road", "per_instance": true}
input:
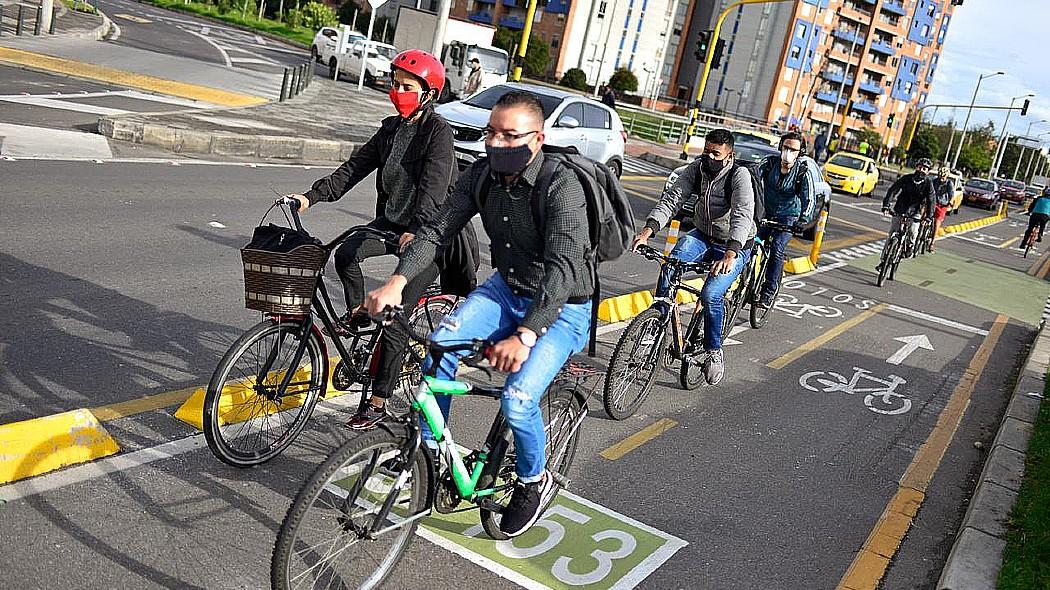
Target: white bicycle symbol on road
{"points": [[881, 399], [790, 305]]}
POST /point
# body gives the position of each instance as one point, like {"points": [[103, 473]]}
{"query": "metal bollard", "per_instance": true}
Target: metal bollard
{"points": [[54, 17], [284, 85], [295, 83], [21, 21], [302, 79], [309, 73], [39, 15]]}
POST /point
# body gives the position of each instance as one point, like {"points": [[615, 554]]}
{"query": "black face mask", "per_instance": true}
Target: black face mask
{"points": [[508, 160], [712, 166]]}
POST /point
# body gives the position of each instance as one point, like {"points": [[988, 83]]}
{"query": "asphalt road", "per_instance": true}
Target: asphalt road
{"points": [[122, 280]]}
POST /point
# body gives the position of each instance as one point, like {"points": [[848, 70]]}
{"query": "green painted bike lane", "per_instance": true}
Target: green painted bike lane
{"points": [[976, 282]]}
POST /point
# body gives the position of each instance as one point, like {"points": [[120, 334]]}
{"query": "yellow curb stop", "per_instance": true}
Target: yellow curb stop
{"points": [[37, 446], [624, 307], [799, 265]]}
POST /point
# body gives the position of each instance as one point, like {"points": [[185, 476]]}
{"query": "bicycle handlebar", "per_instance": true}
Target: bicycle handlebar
{"points": [[651, 253], [475, 348], [775, 226]]}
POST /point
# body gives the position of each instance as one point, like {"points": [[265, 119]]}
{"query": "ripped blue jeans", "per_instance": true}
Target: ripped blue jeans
{"points": [[493, 311]]}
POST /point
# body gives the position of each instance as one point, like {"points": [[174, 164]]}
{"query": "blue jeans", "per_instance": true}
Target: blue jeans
{"points": [[693, 247], [492, 311], [776, 254]]}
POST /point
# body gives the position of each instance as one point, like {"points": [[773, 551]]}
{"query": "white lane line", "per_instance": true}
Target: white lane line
{"points": [[64, 105], [225, 56], [253, 60], [185, 102], [937, 320]]}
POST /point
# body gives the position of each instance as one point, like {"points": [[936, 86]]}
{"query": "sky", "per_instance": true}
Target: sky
{"points": [[987, 36]]}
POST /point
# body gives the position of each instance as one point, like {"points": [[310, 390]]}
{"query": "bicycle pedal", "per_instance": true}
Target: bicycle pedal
{"points": [[560, 480]]}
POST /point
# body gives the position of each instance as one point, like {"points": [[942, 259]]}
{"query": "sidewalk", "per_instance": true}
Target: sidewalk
{"points": [[68, 23], [324, 123], [977, 555]]}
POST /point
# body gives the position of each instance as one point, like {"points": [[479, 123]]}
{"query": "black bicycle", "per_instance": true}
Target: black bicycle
{"points": [[266, 386], [924, 242], [756, 269], [355, 515], [897, 245], [642, 349]]}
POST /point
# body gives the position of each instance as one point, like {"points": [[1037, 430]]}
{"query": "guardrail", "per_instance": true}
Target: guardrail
{"points": [[296, 79]]}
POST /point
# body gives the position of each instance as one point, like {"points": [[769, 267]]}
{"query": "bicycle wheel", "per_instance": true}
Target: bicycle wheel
{"points": [[561, 413], [758, 313], [248, 418], [424, 320], [889, 253], [324, 540], [733, 303], [633, 364]]}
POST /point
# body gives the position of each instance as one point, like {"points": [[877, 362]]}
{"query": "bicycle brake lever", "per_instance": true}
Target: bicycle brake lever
{"points": [[474, 361]]}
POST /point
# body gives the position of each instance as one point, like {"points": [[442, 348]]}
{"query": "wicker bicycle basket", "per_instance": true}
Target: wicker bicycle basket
{"points": [[282, 282]]}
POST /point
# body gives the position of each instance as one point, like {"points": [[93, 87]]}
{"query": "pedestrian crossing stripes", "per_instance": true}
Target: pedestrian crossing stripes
{"points": [[632, 165], [1046, 312], [858, 251]]}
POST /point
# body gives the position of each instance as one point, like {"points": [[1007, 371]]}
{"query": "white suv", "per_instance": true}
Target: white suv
{"points": [[571, 120]]}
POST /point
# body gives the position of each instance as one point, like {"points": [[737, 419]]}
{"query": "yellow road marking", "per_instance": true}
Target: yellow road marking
{"points": [[129, 79], [643, 177], [142, 404], [1009, 242], [638, 439], [133, 18], [871, 561], [824, 338]]}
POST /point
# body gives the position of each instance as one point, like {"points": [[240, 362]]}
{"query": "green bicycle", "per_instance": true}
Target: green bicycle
{"points": [[356, 514]]}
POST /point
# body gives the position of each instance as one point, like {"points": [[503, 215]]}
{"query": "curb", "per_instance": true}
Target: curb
{"points": [[39, 445], [977, 555], [969, 225]]}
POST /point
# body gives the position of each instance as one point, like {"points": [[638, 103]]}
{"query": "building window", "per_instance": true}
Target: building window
{"points": [[677, 32], [800, 31], [796, 52], [555, 41], [914, 69], [601, 9], [925, 30]]}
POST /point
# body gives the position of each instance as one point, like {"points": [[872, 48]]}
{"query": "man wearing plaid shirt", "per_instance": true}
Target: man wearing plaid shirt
{"points": [[537, 306]]}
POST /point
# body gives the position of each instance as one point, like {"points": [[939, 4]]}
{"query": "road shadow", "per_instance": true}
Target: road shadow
{"points": [[67, 343]]}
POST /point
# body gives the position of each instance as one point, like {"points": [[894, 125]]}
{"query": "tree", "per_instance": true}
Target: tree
{"points": [[975, 158], [871, 136], [574, 78], [537, 56], [925, 145], [623, 80]]}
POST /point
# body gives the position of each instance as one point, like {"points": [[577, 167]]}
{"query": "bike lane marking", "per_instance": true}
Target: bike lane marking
{"points": [[787, 359], [575, 544], [870, 564]]}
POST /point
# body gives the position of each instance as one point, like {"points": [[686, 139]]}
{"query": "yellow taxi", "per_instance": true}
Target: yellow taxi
{"points": [[851, 173]]}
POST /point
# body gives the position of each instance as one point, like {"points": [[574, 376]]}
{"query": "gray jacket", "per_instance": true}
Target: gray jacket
{"points": [[730, 224]]}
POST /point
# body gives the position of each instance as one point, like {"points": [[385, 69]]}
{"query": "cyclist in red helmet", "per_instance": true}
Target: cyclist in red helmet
{"points": [[412, 156]]}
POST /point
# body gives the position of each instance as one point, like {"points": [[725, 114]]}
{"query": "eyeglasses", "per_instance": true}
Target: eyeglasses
{"points": [[504, 136]]}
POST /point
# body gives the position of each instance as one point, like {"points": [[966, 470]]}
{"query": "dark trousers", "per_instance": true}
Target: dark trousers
{"points": [[1037, 220], [776, 254], [392, 343]]}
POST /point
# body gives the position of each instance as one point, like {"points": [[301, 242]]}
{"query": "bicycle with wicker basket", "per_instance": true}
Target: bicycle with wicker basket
{"points": [[266, 386]]}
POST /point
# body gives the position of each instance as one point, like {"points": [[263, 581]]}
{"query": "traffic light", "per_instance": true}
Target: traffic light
{"points": [[957, 2], [1024, 107], [889, 120], [703, 40], [720, 47]]}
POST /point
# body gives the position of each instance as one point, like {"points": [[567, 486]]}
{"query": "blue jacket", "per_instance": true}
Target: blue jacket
{"points": [[1040, 205], [787, 195]]}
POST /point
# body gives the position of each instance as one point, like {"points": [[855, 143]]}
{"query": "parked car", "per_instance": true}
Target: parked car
{"points": [[1012, 190], [753, 152], [1032, 192], [377, 66], [755, 137], [325, 41], [571, 120], [852, 173], [981, 192]]}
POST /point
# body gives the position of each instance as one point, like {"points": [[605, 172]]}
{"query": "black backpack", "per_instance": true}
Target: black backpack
{"points": [[755, 171], [609, 214]]}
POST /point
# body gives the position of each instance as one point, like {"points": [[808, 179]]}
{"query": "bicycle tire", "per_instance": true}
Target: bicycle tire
{"points": [[561, 409], [888, 254], [620, 364], [758, 314], [320, 489], [226, 382]]}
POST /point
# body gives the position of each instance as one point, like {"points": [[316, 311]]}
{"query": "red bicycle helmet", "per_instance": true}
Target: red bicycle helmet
{"points": [[422, 65]]}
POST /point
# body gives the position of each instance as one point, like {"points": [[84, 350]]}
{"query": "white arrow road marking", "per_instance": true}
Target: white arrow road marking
{"points": [[911, 344]]}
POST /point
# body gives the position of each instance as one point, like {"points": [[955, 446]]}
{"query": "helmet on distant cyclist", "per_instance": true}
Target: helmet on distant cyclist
{"points": [[944, 171], [422, 65], [924, 163]]}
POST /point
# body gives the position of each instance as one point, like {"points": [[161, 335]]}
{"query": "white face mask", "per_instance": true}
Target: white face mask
{"points": [[788, 156]]}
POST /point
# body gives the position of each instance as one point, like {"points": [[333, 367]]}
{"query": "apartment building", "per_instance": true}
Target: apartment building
{"points": [[549, 23], [820, 62]]}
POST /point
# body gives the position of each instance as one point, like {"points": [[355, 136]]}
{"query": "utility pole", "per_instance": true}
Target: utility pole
{"points": [[958, 150], [801, 69], [1000, 148], [523, 47]]}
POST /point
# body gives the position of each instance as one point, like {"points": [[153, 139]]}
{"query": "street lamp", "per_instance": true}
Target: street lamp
{"points": [[1028, 169], [958, 150], [1000, 149], [1017, 167]]}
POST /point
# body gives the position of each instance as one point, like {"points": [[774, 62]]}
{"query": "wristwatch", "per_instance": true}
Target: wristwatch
{"points": [[527, 338]]}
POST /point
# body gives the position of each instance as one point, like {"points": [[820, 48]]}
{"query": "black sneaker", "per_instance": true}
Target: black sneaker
{"points": [[349, 323], [367, 418], [765, 301], [525, 505]]}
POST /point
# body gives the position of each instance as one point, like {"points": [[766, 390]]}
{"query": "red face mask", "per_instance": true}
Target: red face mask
{"points": [[405, 103]]}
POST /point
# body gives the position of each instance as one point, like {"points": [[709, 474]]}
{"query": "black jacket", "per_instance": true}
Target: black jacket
{"points": [[431, 165], [912, 194]]}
